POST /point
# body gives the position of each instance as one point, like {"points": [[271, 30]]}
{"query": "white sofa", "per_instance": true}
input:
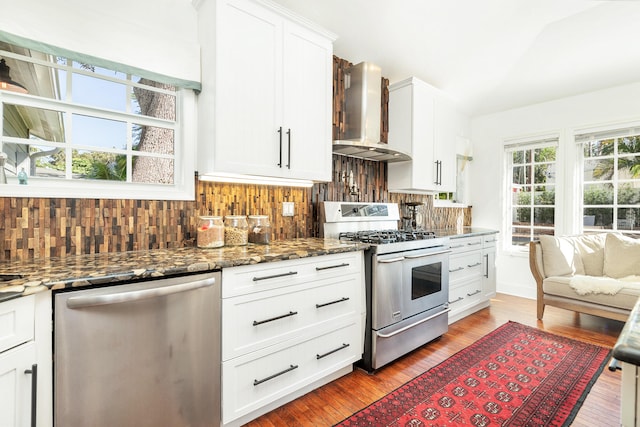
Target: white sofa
{"points": [[597, 274]]}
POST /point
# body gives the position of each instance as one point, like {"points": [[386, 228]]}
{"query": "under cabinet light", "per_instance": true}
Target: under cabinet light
{"points": [[255, 179]]}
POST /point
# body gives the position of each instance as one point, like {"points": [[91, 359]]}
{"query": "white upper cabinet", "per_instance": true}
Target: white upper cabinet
{"points": [[266, 101], [424, 122]]}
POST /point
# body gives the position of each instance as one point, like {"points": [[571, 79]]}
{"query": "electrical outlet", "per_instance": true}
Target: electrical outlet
{"points": [[287, 208]]}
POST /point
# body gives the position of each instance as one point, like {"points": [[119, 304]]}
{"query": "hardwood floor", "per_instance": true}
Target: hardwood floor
{"points": [[339, 399]]}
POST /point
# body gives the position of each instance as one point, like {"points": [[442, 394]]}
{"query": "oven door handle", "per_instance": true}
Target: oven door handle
{"points": [[390, 260], [426, 255], [446, 310]]}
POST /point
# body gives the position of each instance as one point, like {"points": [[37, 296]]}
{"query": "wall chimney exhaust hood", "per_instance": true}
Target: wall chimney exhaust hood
{"points": [[363, 93]]}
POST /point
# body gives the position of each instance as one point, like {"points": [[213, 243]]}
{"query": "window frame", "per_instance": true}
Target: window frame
{"points": [[522, 144], [184, 131]]}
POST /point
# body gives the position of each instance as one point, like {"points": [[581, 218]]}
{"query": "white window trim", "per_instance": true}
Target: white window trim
{"points": [[508, 146]]}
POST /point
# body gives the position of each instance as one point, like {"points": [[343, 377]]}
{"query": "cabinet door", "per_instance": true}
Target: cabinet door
{"points": [[248, 89], [308, 91], [445, 145], [15, 385]]}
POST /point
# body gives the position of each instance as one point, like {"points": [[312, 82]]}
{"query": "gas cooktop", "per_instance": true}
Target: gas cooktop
{"points": [[386, 236]]}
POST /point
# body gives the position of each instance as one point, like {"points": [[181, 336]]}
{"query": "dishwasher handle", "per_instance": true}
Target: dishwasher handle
{"points": [[122, 297]]}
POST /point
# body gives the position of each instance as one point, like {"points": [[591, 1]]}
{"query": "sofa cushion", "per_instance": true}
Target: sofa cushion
{"points": [[621, 256], [560, 286], [560, 256], [591, 250]]}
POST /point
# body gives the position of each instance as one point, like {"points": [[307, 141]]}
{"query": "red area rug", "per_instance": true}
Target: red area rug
{"points": [[514, 376]]}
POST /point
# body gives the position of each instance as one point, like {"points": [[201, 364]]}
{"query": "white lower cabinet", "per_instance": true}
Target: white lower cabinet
{"points": [[25, 361], [471, 274], [288, 327]]}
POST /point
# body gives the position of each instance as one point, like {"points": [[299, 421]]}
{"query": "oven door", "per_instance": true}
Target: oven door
{"points": [[386, 290], [425, 282]]}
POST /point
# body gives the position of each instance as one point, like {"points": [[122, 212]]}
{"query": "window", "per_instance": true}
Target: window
{"points": [[531, 190], [611, 180], [84, 126]]}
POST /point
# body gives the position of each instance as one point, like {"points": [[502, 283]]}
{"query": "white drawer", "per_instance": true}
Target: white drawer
{"points": [[465, 265], [16, 322], [465, 294], [258, 320], [489, 240], [465, 244], [246, 279], [252, 381]]}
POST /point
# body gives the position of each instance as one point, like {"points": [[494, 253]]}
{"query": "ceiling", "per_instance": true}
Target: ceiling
{"points": [[489, 55]]}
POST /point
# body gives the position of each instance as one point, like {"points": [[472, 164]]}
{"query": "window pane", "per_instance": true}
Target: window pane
{"points": [[602, 217], [629, 144], [629, 194], [598, 170], [537, 232], [628, 218], [598, 194], [97, 132], [546, 154], [154, 104], [26, 122], [99, 70], [49, 162], [153, 139], [545, 173], [628, 167], [153, 170], [518, 157], [599, 148], [98, 165], [520, 236], [545, 196], [521, 216], [544, 216], [96, 92], [523, 197], [520, 175]]}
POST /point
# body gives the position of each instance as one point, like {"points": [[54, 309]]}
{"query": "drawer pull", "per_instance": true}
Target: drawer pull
{"points": [[458, 300], [291, 273], [456, 246], [474, 293], [344, 264], [486, 273], [270, 377], [456, 269], [332, 302], [34, 392], [474, 265], [474, 243], [260, 322], [342, 347]]}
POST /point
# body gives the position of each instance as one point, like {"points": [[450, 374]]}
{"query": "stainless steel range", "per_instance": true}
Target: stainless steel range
{"points": [[407, 278]]}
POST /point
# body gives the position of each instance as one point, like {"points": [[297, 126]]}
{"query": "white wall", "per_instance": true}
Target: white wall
{"points": [[563, 116], [155, 35]]}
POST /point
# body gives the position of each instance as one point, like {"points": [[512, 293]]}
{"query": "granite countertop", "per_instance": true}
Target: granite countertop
{"points": [[464, 232], [627, 348], [20, 278]]}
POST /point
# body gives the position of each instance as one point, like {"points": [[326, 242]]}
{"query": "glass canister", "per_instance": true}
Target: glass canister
{"points": [[259, 229], [236, 230], [210, 232]]}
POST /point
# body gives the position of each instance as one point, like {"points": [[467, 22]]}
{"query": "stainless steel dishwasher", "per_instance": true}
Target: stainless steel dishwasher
{"points": [[139, 354]]}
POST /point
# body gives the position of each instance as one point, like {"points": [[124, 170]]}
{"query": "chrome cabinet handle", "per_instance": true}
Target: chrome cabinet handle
{"points": [[122, 297], [474, 293], [270, 377], [280, 136], [289, 149], [426, 255], [458, 300], [390, 260], [486, 274], [344, 264], [474, 265], [260, 322], [456, 269], [290, 273], [343, 299], [473, 243], [34, 392], [342, 347]]}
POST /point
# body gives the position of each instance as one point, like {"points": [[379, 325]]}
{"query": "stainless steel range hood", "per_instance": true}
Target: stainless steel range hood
{"points": [[363, 93]]}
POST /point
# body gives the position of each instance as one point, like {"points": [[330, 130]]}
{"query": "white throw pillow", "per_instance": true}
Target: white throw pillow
{"points": [[621, 256], [560, 256], [591, 250]]}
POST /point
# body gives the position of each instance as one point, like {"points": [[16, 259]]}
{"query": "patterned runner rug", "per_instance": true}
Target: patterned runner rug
{"points": [[515, 376]]}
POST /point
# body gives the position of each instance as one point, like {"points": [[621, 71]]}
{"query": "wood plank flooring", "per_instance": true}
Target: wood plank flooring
{"points": [[339, 399]]}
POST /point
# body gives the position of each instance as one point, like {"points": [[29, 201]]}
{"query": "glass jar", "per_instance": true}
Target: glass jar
{"points": [[210, 232], [236, 230], [259, 229]]}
